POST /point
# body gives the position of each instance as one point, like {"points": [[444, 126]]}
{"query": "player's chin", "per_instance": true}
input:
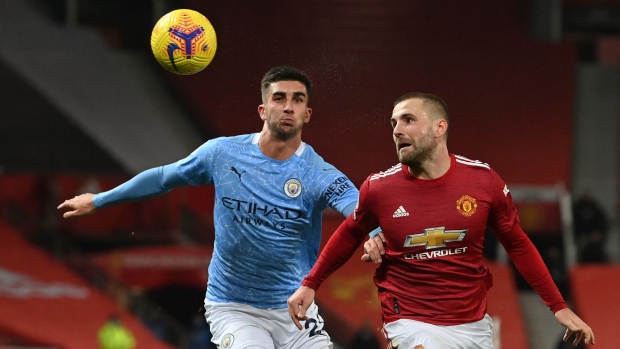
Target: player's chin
{"points": [[289, 125], [288, 130], [402, 158]]}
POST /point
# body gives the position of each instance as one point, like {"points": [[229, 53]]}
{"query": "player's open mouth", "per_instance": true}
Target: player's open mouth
{"points": [[403, 145]]}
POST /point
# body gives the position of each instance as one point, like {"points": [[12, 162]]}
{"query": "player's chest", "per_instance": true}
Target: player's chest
{"points": [[258, 173], [433, 220], [251, 185]]}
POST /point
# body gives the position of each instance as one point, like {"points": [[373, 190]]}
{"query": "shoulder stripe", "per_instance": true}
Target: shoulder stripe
{"points": [[465, 161], [392, 170]]}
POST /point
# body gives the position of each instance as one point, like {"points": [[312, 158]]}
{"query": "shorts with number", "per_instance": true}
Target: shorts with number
{"points": [[411, 334], [237, 326]]}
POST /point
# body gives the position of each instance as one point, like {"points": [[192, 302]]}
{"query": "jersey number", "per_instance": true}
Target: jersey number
{"points": [[317, 326]]}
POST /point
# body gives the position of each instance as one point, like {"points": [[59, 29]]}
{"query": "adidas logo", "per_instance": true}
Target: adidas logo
{"points": [[400, 213]]}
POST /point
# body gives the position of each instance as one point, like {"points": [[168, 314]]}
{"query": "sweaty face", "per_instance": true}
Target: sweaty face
{"points": [[285, 109], [413, 132]]}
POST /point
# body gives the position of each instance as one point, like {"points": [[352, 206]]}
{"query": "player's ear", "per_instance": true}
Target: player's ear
{"points": [[308, 115], [441, 127], [261, 112]]}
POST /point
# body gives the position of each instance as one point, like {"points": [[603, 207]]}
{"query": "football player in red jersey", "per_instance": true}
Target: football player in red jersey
{"points": [[433, 208]]}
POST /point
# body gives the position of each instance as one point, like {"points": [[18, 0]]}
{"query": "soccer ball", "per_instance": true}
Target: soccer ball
{"points": [[183, 41]]}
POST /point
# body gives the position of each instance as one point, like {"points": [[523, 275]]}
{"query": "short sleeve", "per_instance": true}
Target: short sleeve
{"points": [[340, 192], [197, 167]]}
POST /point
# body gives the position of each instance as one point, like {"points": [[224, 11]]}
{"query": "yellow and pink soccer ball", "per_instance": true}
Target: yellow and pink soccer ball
{"points": [[184, 41]]}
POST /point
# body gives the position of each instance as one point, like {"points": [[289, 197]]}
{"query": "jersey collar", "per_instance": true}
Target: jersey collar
{"points": [[298, 152]]}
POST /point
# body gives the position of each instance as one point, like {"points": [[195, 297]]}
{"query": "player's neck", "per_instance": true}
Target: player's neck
{"points": [[277, 148], [434, 167]]}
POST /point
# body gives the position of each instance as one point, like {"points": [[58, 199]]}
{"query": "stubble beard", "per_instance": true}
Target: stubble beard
{"points": [[282, 132], [422, 152]]}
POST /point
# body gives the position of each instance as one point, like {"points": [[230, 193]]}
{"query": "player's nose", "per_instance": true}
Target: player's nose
{"points": [[397, 131], [288, 106]]}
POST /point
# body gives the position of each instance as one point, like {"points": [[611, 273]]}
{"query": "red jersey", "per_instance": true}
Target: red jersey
{"points": [[434, 229]]}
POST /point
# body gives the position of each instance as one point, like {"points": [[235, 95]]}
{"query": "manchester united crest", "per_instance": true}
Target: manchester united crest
{"points": [[466, 205]]}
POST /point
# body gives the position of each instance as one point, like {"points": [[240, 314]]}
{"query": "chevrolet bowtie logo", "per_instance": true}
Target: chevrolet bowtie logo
{"points": [[435, 237]]}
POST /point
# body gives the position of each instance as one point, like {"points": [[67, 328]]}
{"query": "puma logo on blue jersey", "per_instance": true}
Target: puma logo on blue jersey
{"points": [[235, 171]]}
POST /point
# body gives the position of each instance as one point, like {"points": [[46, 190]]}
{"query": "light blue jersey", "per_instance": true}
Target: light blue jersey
{"points": [[267, 216]]}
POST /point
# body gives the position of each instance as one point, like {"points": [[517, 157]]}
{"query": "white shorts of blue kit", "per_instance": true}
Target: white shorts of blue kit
{"points": [[411, 334], [241, 326]]}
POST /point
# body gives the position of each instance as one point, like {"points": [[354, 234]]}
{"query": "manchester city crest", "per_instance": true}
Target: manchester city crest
{"points": [[292, 188], [227, 341]]}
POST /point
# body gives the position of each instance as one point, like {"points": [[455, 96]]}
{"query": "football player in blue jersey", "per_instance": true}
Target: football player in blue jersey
{"points": [[271, 191]]}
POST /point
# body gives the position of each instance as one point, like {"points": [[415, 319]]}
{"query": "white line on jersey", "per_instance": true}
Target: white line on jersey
{"points": [[465, 161], [392, 170]]}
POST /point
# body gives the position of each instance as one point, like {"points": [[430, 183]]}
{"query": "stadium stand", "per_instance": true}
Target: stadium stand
{"points": [[45, 303], [594, 290]]}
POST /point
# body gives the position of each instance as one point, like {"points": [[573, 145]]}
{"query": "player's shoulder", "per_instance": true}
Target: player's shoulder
{"points": [[225, 143], [468, 163], [388, 174], [477, 169], [309, 156], [238, 139]]}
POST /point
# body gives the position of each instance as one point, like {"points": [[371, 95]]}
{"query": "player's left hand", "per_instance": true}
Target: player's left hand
{"points": [[574, 325], [299, 303], [374, 249], [80, 205]]}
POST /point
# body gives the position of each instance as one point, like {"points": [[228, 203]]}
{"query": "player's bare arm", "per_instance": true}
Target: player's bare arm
{"points": [[299, 303], [80, 205], [574, 325], [374, 249]]}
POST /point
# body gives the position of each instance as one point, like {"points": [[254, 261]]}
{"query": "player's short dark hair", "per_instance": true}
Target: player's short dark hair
{"points": [[284, 73], [439, 108]]}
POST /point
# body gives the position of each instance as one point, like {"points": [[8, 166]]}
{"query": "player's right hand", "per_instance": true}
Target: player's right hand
{"points": [[574, 325], [373, 249], [80, 205], [299, 303]]}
